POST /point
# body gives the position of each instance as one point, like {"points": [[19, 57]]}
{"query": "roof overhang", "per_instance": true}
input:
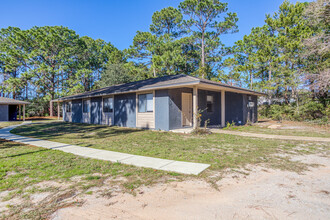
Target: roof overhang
{"points": [[198, 84], [228, 88], [14, 103]]}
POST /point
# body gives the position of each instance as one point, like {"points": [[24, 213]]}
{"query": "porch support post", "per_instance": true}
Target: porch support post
{"points": [[195, 106], [23, 112], [19, 112], [223, 109], [58, 111]]}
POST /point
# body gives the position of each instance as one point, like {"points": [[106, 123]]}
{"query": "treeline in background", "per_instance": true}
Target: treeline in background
{"points": [[287, 58]]}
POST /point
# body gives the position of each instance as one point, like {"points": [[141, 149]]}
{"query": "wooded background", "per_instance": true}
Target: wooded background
{"points": [[287, 58]]}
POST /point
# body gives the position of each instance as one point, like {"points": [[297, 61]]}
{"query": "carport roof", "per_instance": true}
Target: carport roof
{"points": [[157, 83], [9, 101]]}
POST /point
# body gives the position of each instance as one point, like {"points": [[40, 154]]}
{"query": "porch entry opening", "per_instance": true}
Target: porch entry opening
{"points": [[187, 109]]}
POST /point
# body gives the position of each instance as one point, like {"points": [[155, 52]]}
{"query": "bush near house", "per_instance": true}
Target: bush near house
{"points": [[306, 110]]}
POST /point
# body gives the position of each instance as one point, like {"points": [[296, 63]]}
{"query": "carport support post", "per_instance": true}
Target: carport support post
{"points": [[19, 112], [23, 112], [223, 109], [58, 110], [195, 107]]}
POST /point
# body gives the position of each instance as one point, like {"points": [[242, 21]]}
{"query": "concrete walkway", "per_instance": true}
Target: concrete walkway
{"points": [[140, 161], [271, 136]]}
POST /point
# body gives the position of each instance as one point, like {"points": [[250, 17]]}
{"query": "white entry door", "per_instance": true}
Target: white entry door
{"points": [[186, 109]]}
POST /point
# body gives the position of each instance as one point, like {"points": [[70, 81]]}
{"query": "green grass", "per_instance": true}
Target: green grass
{"points": [[220, 150], [23, 166], [310, 132], [9, 123]]}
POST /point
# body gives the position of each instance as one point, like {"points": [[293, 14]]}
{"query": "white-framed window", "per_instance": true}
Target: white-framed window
{"points": [[86, 106], [209, 103], [108, 105], [146, 102], [68, 107]]}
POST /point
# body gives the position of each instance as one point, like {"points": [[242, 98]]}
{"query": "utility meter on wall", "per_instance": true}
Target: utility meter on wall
{"points": [[251, 104]]}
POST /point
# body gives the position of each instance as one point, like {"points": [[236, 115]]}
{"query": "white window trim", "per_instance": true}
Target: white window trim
{"points": [[153, 101], [137, 105]]}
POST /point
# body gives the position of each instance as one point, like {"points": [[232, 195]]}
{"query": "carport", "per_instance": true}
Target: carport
{"points": [[9, 108]]}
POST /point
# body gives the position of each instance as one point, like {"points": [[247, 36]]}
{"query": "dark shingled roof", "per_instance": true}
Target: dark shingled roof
{"points": [[153, 83], [8, 101]]}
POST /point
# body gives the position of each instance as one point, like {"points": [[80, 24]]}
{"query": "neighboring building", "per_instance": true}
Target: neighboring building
{"points": [[163, 103], [9, 109]]}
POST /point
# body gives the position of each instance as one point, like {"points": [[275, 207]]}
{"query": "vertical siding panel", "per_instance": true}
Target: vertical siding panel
{"points": [[215, 116], [77, 111], [233, 108], [162, 117], [96, 110], [175, 107], [125, 110]]}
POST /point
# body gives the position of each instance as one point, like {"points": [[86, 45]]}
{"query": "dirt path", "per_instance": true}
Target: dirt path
{"points": [[264, 194], [271, 136]]}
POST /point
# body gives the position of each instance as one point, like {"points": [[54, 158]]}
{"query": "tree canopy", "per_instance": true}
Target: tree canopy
{"points": [[285, 56]]}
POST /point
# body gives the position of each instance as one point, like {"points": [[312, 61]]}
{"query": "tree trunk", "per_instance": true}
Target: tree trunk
{"points": [[51, 108], [251, 80], [203, 57], [154, 71]]}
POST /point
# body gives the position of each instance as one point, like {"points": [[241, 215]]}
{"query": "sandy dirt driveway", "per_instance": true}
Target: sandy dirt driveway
{"points": [[263, 194]]}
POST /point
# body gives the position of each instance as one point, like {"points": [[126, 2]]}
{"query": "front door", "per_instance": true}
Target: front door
{"points": [[186, 109]]}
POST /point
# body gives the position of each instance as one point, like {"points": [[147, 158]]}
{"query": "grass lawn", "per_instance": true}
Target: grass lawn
{"points": [[23, 167], [305, 130], [28, 172], [220, 150], [9, 123]]}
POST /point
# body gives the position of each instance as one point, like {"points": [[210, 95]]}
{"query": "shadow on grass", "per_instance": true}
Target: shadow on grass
{"points": [[83, 131], [25, 153], [5, 144]]}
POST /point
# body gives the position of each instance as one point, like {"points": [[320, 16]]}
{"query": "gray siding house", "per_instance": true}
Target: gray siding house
{"points": [[164, 103], [9, 108]]}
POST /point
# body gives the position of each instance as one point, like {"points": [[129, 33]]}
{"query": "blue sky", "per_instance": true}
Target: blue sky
{"points": [[117, 21]]}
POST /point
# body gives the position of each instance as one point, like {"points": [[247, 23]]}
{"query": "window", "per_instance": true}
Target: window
{"points": [[108, 105], [86, 106], [68, 107], [209, 103], [146, 103]]}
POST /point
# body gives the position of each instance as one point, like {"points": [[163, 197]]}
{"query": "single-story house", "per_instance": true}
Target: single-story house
{"points": [[164, 103], [10, 107]]}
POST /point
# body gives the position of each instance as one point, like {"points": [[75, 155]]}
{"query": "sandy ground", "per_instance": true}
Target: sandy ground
{"points": [[263, 194]]}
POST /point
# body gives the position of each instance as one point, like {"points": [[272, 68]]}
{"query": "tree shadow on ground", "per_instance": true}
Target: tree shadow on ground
{"points": [[57, 129]]}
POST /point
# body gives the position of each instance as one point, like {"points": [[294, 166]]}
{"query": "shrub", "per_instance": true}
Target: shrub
{"points": [[307, 110]]}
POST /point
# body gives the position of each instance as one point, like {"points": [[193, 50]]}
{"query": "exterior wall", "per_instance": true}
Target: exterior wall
{"points": [[108, 118], [145, 119], [214, 116], [86, 117], [96, 110], [234, 108], [162, 115], [77, 111], [63, 111], [4, 113], [250, 113], [125, 110], [237, 108], [175, 107], [67, 116]]}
